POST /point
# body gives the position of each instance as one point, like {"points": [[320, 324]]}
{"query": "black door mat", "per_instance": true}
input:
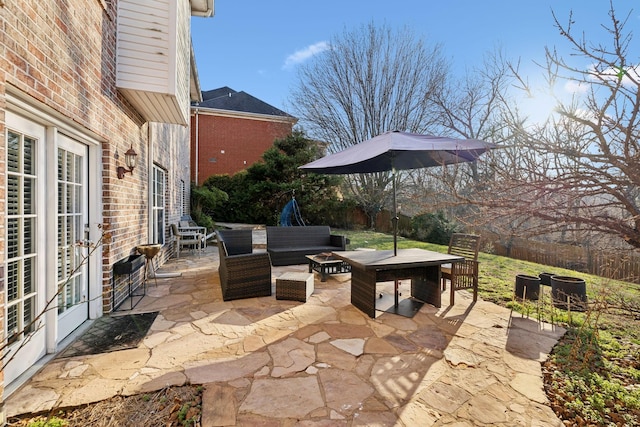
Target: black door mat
{"points": [[112, 333]]}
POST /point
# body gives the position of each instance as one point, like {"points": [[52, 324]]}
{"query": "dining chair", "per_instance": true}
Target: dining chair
{"points": [[464, 274]]}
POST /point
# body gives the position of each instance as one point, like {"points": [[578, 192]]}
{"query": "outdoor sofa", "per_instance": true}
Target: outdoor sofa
{"points": [[289, 245], [243, 273]]}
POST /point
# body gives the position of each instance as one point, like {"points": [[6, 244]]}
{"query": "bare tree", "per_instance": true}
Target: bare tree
{"points": [[577, 175], [473, 106], [371, 80]]}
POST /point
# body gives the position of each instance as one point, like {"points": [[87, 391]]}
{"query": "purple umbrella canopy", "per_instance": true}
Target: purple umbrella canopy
{"points": [[396, 150]]}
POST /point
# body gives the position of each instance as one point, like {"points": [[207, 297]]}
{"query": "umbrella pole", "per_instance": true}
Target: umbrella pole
{"points": [[395, 216], [395, 235]]}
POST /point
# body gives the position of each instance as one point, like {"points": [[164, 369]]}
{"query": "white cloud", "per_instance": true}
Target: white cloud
{"points": [[302, 55], [575, 87], [628, 74]]}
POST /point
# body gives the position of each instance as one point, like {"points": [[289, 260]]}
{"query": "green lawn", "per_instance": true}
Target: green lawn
{"points": [[593, 373]]}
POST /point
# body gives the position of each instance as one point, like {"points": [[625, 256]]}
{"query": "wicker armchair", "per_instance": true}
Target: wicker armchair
{"points": [[243, 274], [462, 275]]}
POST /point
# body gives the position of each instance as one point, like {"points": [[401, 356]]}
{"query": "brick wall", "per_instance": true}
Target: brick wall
{"points": [[226, 145], [60, 55], [172, 155]]}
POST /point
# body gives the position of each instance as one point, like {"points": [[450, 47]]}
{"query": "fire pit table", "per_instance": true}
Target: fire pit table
{"points": [[326, 264]]}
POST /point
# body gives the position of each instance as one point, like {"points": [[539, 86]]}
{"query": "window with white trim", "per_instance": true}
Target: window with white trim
{"points": [[158, 205]]}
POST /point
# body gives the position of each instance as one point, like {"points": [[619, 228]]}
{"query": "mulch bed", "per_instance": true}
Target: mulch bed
{"points": [[169, 407]]}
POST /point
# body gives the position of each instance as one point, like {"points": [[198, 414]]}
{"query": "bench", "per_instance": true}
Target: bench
{"points": [[289, 245]]}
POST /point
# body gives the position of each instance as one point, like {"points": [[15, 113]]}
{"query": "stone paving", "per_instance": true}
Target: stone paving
{"points": [[272, 362]]}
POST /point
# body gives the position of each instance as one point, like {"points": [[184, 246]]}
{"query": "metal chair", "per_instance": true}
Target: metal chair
{"points": [[189, 239], [192, 227], [187, 222], [462, 275]]}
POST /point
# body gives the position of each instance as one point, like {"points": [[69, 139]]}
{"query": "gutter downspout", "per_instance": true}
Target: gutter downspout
{"points": [[196, 161], [150, 201]]}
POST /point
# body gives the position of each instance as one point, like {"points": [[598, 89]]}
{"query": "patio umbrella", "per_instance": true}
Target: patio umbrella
{"points": [[395, 150]]}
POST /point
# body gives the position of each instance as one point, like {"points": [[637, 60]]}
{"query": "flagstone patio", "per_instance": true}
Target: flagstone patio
{"points": [[264, 361]]}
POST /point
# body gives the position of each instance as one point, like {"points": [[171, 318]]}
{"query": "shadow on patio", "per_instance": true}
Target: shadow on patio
{"points": [[268, 361]]}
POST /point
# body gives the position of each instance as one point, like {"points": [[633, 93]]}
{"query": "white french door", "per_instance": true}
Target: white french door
{"points": [[47, 270], [72, 229], [25, 294]]}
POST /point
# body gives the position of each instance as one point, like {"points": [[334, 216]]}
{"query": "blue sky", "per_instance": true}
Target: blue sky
{"points": [[256, 46]]}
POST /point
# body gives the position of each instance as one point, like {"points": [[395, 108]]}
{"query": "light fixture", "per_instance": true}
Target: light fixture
{"points": [[130, 161]]}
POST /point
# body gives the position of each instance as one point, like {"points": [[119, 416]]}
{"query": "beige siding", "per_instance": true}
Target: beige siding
{"points": [[183, 54], [153, 47]]}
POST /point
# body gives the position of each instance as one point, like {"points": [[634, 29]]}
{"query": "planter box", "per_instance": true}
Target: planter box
{"points": [[545, 278], [569, 293], [527, 286], [128, 265]]}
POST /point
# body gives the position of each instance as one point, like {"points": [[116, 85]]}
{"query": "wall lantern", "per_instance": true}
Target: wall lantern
{"points": [[130, 161]]}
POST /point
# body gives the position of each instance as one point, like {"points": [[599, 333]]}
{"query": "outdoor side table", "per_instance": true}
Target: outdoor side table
{"points": [[294, 286]]}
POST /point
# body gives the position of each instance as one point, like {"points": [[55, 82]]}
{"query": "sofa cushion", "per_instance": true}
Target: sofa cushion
{"points": [[289, 245], [310, 250], [312, 235], [236, 242]]}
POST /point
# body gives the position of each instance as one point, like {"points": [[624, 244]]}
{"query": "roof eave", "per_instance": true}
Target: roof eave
{"points": [[195, 94], [202, 8], [243, 114]]}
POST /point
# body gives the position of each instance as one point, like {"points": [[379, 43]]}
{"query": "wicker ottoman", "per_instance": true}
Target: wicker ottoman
{"points": [[294, 286]]}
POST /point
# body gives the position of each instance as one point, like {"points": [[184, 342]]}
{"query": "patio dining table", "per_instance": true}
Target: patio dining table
{"points": [[421, 266]]}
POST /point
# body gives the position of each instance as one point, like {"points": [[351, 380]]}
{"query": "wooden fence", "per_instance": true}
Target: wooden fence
{"points": [[357, 218], [619, 265]]}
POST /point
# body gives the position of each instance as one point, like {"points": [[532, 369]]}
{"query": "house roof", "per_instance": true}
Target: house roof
{"points": [[225, 98]]}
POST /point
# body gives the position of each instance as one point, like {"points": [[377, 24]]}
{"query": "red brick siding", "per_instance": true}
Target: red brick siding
{"points": [[226, 145], [62, 54]]}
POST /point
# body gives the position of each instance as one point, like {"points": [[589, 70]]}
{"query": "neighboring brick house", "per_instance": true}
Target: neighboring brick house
{"points": [[81, 83], [231, 130]]}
